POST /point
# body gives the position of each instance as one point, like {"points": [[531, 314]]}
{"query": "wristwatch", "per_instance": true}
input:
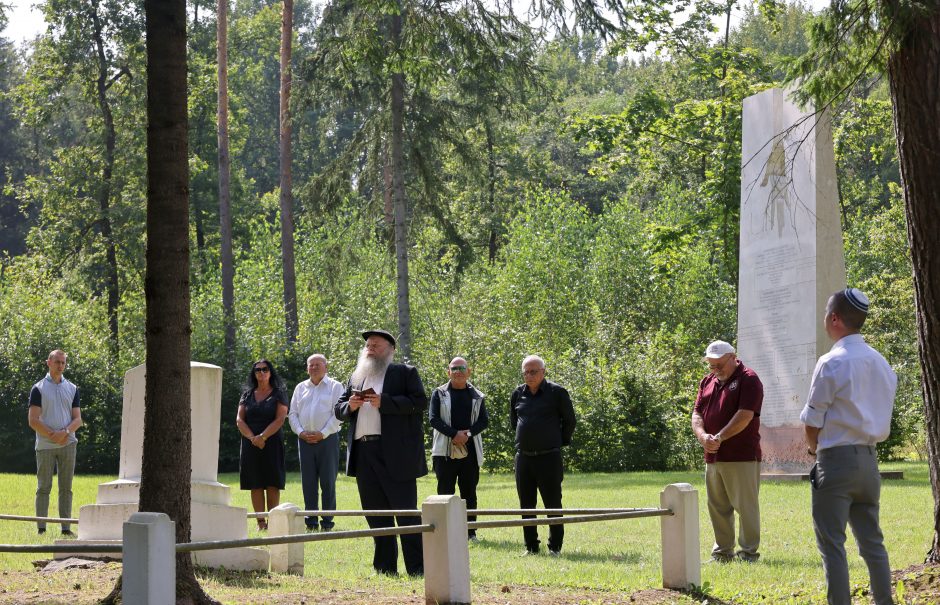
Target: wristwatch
{"points": [[719, 438]]}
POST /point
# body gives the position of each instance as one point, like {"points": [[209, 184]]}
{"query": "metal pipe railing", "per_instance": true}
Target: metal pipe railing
{"points": [[562, 520], [476, 512], [295, 538], [383, 513], [46, 519]]}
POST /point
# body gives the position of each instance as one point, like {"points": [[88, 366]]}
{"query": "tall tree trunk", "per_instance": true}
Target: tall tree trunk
{"points": [[225, 199], [195, 204], [287, 198], [104, 191], [914, 75], [493, 246], [399, 197], [166, 471], [388, 207]]}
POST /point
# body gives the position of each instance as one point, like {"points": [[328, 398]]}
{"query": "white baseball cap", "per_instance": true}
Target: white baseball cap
{"points": [[718, 349]]}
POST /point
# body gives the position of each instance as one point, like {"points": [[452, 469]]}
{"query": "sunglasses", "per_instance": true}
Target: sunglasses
{"points": [[458, 368], [262, 370]]}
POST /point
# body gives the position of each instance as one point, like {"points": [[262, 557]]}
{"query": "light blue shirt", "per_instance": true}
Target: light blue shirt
{"points": [[56, 401], [851, 395]]}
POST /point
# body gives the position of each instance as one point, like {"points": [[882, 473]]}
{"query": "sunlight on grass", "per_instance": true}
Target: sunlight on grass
{"points": [[614, 555]]}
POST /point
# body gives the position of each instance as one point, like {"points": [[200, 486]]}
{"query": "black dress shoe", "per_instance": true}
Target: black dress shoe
{"points": [[67, 532], [42, 530]]}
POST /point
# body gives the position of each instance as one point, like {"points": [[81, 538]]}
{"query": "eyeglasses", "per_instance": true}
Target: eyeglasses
{"points": [[262, 370], [532, 372], [458, 368]]}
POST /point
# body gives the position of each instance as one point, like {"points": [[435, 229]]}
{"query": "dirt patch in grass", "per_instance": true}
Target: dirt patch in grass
{"points": [[917, 584], [77, 586], [83, 586]]}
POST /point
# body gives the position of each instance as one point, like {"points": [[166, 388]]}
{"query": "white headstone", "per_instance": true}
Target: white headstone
{"points": [[212, 518], [791, 261], [149, 560], [206, 397]]}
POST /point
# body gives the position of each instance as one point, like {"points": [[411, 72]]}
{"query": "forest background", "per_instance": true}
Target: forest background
{"points": [[570, 197]]}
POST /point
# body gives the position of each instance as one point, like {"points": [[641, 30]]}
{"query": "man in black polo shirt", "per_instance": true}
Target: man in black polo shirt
{"points": [[542, 415]]}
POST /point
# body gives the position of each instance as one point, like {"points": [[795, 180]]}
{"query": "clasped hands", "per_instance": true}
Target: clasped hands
{"points": [[311, 436], [711, 443], [60, 437], [461, 437]]}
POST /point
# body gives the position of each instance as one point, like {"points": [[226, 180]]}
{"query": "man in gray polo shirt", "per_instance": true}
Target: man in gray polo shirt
{"points": [[55, 415]]}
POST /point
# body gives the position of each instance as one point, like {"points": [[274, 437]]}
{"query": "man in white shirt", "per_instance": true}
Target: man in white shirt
{"points": [[311, 417], [847, 412]]}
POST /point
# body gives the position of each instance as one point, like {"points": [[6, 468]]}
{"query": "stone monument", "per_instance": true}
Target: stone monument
{"points": [[791, 260], [212, 516]]}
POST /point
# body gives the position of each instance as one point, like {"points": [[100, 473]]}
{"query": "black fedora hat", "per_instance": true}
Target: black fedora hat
{"points": [[386, 335]]}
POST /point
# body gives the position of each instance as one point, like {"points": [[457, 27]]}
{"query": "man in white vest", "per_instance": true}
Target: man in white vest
{"points": [[458, 416], [54, 415]]}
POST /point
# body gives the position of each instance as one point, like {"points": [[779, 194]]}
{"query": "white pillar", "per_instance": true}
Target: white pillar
{"points": [[682, 561], [284, 521], [446, 553], [149, 556]]}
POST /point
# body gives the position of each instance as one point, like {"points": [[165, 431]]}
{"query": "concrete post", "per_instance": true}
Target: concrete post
{"points": [[149, 556], [446, 553], [682, 561], [284, 521]]}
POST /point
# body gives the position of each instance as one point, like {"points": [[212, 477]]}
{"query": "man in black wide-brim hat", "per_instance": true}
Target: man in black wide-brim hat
{"points": [[385, 405]]}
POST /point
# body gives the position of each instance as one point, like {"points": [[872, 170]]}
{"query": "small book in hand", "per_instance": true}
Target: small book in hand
{"points": [[369, 391]]}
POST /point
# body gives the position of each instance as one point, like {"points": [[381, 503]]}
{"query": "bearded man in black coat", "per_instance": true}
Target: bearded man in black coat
{"points": [[385, 405]]}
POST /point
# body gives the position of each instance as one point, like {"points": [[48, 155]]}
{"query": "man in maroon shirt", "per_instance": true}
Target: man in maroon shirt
{"points": [[726, 421]]}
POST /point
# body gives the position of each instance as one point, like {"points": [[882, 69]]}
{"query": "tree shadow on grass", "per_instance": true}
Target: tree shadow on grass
{"points": [[702, 595], [235, 578], [570, 555]]}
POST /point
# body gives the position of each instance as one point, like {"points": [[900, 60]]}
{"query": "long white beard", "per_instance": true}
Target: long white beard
{"points": [[370, 367]]}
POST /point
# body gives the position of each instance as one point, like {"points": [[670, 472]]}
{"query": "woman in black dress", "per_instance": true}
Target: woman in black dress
{"points": [[261, 412]]}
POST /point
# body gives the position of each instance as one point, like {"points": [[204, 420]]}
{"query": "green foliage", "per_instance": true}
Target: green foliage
{"points": [[568, 202], [880, 264], [39, 316]]}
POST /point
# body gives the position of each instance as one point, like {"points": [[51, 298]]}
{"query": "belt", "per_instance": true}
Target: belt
{"points": [[848, 449], [369, 438], [539, 452]]}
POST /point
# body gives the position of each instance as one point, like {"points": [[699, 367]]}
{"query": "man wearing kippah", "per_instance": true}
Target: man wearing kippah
{"points": [[726, 421], [847, 412]]}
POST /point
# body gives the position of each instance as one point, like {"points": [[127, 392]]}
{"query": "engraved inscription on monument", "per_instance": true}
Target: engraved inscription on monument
{"points": [[791, 260]]}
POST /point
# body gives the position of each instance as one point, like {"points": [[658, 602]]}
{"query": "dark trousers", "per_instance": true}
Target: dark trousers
{"points": [[378, 491], [319, 464], [543, 473], [463, 473]]}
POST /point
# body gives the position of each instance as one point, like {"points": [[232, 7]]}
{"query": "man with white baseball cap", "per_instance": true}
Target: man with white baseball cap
{"points": [[726, 421], [847, 412]]}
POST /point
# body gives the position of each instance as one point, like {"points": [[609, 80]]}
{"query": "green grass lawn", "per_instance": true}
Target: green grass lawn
{"points": [[617, 556]]}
